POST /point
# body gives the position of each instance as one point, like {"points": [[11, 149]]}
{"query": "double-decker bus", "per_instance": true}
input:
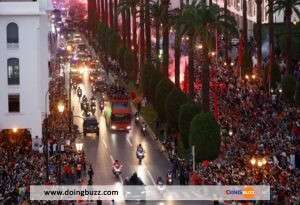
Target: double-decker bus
{"points": [[118, 113]]}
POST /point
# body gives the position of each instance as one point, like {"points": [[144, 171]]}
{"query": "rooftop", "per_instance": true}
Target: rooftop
{"points": [[24, 7]]}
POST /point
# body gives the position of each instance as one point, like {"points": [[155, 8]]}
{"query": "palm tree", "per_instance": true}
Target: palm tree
{"points": [[271, 40], [111, 14], [102, 11], [191, 19], [258, 33], [288, 6], [156, 15], [179, 29], [92, 15], [201, 20], [106, 12], [124, 9], [166, 27], [116, 26], [142, 33], [148, 31]]}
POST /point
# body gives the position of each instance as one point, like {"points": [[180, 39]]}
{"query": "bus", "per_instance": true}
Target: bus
{"points": [[118, 114]]}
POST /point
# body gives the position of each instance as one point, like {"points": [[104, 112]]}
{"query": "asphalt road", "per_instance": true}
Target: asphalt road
{"points": [[103, 150]]}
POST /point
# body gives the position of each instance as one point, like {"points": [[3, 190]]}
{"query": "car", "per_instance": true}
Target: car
{"points": [[90, 125]]}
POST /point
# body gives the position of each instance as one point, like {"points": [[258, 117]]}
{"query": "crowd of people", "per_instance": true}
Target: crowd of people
{"points": [[20, 167], [256, 125]]}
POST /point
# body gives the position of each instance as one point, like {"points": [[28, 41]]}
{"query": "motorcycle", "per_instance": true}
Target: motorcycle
{"points": [[144, 129], [169, 179], [79, 93], [93, 109], [117, 170], [101, 107], [140, 156], [137, 118]]}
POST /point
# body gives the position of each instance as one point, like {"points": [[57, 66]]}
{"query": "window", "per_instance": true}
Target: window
{"points": [[12, 32], [14, 103], [13, 72]]}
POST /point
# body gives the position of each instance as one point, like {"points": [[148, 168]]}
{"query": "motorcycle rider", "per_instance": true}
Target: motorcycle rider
{"points": [[116, 164], [140, 149]]}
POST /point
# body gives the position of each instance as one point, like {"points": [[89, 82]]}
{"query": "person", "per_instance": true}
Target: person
{"points": [[91, 172], [159, 180], [116, 164], [140, 148]]}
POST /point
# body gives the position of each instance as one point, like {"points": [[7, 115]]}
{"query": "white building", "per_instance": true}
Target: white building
{"points": [[24, 29], [236, 8]]}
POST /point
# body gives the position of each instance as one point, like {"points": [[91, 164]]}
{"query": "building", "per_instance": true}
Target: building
{"points": [[24, 74], [236, 8]]}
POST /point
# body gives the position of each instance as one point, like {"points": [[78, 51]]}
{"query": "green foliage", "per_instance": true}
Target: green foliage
{"points": [[174, 100], [275, 76], [297, 94], [153, 81], [288, 87], [205, 136], [145, 78], [186, 114], [162, 89]]}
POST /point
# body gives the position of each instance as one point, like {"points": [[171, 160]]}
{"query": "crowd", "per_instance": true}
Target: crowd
{"points": [[260, 125], [20, 167]]}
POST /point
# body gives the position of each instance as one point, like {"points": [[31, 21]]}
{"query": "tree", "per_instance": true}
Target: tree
{"points": [[92, 15], [174, 100], [124, 9], [288, 88], [146, 76], [153, 81], [271, 40], [162, 89], [148, 31], [258, 33], [166, 28], [142, 34], [116, 25], [179, 31], [156, 11], [186, 114], [288, 6], [131, 7], [205, 136]]}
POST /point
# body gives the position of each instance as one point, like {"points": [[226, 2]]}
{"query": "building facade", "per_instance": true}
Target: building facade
{"points": [[24, 73], [236, 8]]}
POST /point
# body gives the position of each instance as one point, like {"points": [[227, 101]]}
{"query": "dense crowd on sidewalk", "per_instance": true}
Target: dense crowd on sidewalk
{"points": [[256, 124], [22, 157], [20, 167]]}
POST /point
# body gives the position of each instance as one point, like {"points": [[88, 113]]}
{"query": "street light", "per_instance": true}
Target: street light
{"points": [[253, 161], [15, 130], [79, 146], [61, 107], [230, 133]]}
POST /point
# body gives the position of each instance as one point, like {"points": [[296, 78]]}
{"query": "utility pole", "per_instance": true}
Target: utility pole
{"points": [[193, 155]]}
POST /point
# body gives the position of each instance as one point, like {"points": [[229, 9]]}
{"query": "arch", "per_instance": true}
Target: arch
{"points": [[12, 33]]}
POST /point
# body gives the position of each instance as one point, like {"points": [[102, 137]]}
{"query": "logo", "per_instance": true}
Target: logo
{"points": [[246, 193]]}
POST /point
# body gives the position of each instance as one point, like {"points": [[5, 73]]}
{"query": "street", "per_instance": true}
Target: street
{"points": [[101, 152]]}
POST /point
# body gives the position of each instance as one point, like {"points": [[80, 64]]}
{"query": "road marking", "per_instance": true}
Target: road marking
{"points": [[129, 142], [150, 175], [112, 159]]}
